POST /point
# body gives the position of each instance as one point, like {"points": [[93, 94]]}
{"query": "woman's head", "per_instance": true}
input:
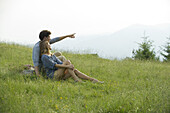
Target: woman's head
{"points": [[45, 47]]}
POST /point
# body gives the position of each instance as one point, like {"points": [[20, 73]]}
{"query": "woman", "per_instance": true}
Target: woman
{"points": [[58, 70]]}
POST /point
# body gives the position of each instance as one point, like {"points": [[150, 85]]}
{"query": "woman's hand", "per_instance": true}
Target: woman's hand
{"points": [[71, 66]]}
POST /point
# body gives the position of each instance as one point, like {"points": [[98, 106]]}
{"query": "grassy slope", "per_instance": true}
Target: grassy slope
{"points": [[130, 86]]}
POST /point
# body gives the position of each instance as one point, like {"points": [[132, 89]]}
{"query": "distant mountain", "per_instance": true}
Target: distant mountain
{"points": [[119, 44]]}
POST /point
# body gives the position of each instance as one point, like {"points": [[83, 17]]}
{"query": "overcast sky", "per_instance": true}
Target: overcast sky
{"points": [[26, 18]]}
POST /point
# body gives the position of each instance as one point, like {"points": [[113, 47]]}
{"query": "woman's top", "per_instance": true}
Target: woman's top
{"points": [[49, 63], [36, 52]]}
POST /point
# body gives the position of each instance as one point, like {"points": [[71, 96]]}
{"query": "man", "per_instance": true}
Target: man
{"points": [[44, 36]]}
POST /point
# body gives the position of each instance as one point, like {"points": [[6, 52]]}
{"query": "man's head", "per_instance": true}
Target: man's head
{"points": [[45, 35]]}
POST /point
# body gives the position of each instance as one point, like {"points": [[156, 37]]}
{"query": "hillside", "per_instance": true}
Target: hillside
{"points": [[130, 86]]}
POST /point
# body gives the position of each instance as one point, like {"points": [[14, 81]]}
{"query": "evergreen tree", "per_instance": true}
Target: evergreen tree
{"points": [[145, 52], [166, 53]]}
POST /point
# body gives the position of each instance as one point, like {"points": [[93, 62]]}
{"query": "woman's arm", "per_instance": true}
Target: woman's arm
{"points": [[70, 66], [47, 62]]}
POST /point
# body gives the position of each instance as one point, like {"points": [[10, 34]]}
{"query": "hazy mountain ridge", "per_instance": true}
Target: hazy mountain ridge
{"points": [[121, 43]]}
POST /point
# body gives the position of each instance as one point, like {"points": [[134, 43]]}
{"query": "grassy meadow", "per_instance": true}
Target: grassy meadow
{"points": [[129, 86]]}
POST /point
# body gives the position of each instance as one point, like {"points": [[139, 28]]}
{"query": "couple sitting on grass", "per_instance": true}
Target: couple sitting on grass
{"points": [[56, 66]]}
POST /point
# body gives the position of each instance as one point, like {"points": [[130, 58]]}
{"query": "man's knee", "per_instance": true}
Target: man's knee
{"points": [[62, 58], [57, 53], [75, 70], [67, 62]]}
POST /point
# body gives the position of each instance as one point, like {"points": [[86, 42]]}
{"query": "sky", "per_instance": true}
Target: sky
{"points": [[22, 20]]}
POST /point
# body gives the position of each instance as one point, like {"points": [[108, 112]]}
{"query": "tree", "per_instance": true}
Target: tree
{"points": [[166, 53], [145, 51]]}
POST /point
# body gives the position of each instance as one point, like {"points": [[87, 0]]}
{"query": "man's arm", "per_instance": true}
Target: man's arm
{"points": [[35, 58], [37, 71], [71, 36], [61, 38]]}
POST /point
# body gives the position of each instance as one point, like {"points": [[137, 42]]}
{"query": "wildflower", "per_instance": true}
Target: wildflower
{"points": [[61, 98], [66, 106], [56, 107]]}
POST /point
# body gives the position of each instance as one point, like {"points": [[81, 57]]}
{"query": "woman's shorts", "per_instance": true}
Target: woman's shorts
{"points": [[59, 76]]}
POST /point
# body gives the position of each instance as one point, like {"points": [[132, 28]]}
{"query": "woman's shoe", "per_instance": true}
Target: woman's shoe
{"points": [[97, 81]]}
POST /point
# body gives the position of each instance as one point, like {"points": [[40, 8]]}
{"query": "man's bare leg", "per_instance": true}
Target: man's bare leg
{"points": [[60, 56]]}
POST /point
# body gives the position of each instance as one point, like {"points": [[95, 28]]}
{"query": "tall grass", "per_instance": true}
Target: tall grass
{"points": [[129, 86]]}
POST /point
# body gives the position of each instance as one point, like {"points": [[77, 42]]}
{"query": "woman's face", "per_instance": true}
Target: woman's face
{"points": [[47, 38], [48, 46]]}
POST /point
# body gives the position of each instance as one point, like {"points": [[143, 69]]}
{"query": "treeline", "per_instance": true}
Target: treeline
{"points": [[147, 52]]}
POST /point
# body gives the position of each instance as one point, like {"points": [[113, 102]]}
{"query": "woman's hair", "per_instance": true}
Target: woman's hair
{"points": [[44, 47], [44, 33]]}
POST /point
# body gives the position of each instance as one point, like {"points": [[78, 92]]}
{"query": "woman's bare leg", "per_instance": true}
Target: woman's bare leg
{"points": [[82, 75], [61, 74], [66, 76], [73, 75], [69, 74]]}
